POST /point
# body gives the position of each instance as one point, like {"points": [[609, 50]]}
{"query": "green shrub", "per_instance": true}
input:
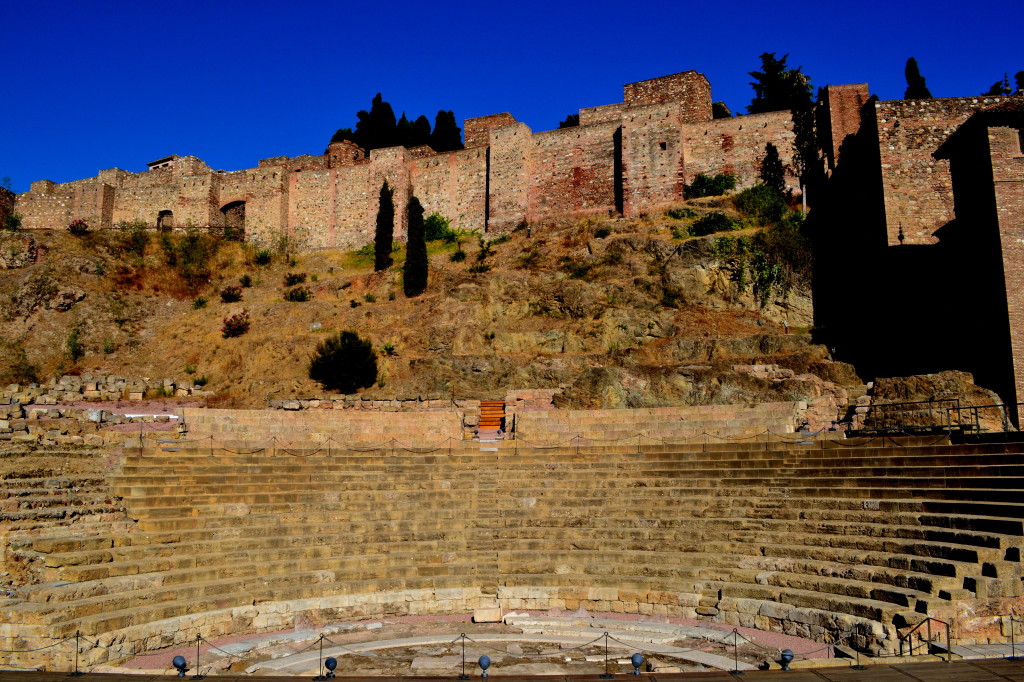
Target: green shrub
{"points": [[501, 239], [297, 295], [201, 381], [195, 251], [78, 227], [132, 237], [12, 222], [108, 346], [681, 213], [190, 369], [679, 231], [369, 298], [74, 345], [231, 294], [761, 203], [262, 257], [436, 227], [458, 256], [712, 222], [235, 325], [245, 281], [388, 349], [293, 278], [602, 232], [354, 303], [477, 268], [14, 365], [198, 302], [710, 186], [344, 363]]}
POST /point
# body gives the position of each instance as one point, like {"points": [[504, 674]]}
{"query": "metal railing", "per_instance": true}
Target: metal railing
{"points": [[907, 647]]}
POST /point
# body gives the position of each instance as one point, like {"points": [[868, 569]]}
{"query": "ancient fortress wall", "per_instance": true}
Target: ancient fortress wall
{"points": [[917, 187], [629, 158]]}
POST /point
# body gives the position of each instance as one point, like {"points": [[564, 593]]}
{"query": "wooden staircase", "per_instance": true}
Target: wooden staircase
{"points": [[492, 420]]}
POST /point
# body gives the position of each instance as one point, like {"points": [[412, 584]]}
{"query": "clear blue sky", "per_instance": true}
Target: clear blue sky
{"points": [[93, 85]]}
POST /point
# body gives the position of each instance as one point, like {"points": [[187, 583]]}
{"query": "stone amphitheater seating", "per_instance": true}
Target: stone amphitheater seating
{"points": [[839, 541]]}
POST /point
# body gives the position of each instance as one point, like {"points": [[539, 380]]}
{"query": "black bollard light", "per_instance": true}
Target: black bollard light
{"points": [[785, 658], [331, 663], [181, 664], [485, 663], [637, 660]]}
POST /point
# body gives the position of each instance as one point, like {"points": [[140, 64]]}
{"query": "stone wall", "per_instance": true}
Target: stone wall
{"points": [[1006, 147], [653, 167], [917, 187], [573, 171], [689, 89], [738, 145]]}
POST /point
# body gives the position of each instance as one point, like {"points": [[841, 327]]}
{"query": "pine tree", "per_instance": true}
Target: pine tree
{"points": [[777, 88], [415, 271], [1019, 80], [772, 172], [446, 136], [916, 89], [384, 236]]}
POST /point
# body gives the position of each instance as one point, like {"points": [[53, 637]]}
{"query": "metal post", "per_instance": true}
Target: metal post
{"points": [[607, 675], [949, 649], [736, 653], [78, 634], [198, 675], [320, 670], [140, 440], [1013, 641], [928, 648], [463, 676], [211, 445]]}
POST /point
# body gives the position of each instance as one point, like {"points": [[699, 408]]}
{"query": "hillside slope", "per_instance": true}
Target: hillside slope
{"points": [[614, 313]]}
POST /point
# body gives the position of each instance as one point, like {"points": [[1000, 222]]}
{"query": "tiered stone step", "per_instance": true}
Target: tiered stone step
{"points": [[233, 428], [667, 423], [842, 537]]}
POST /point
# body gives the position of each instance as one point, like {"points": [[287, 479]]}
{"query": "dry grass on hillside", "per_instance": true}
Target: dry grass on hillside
{"points": [[556, 298]]}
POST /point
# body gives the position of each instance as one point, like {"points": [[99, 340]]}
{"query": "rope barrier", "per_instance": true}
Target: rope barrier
{"points": [[41, 648]]}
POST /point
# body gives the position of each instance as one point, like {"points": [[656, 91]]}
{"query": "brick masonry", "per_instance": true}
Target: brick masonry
{"points": [[629, 157]]}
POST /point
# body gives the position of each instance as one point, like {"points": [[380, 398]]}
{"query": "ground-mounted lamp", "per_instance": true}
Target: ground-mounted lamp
{"points": [[637, 660], [181, 664], [785, 658], [331, 663], [484, 663]]}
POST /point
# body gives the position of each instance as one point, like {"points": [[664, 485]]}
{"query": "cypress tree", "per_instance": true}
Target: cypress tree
{"points": [[415, 270], [420, 131], [405, 131], [1019, 81], [772, 173], [385, 233], [916, 89], [446, 136], [376, 128]]}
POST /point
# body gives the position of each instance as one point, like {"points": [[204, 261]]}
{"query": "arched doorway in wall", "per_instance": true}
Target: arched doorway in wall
{"points": [[165, 220], [234, 216]]}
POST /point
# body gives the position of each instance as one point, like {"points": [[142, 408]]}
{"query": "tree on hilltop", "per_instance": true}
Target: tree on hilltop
{"points": [[777, 88], [999, 88], [377, 127], [916, 88], [447, 136], [385, 233], [571, 121], [414, 272], [1019, 79]]}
